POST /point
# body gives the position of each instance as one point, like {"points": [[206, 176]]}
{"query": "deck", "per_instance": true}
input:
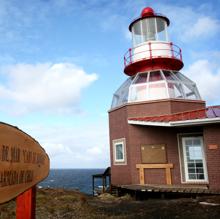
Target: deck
{"points": [[187, 189]]}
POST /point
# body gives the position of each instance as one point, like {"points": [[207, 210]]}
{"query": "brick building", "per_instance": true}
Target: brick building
{"points": [[161, 131]]}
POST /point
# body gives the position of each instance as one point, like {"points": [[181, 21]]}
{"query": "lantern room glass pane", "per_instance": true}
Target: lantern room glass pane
{"points": [[142, 78], [155, 76], [154, 85], [149, 29], [161, 27], [157, 91], [137, 34], [138, 92], [144, 30], [121, 95], [175, 91], [168, 75]]}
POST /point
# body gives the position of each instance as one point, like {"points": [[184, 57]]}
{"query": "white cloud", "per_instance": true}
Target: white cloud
{"points": [[44, 87], [74, 146], [203, 27], [190, 24], [207, 77]]}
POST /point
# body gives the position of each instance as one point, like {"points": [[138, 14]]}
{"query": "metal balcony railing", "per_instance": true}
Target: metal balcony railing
{"points": [[152, 50]]}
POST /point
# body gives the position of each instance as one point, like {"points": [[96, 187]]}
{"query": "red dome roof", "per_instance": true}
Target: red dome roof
{"points": [[146, 12]]}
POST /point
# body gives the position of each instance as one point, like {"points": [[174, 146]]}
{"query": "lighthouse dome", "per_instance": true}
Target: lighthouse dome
{"points": [[155, 85], [146, 12]]}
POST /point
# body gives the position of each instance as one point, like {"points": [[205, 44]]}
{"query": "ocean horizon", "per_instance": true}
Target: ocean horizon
{"points": [[72, 178]]}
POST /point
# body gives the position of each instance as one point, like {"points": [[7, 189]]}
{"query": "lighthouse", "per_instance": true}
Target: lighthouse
{"points": [[153, 64], [160, 129]]}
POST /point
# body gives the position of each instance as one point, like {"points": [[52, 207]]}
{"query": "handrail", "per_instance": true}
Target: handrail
{"points": [[131, 55]]}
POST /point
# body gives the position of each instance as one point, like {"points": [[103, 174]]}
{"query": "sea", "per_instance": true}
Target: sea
{"points": [[73, 179]]}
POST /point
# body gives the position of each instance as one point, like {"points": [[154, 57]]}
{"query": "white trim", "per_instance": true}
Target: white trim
{"points": [[180, 158], [187, 180], [155, 23], [135, 122], [176, 123], [116, 142]]}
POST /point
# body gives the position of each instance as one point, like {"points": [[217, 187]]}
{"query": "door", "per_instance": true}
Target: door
{"points": [[194, 159]]}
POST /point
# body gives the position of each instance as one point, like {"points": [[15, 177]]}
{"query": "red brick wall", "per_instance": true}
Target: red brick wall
{"points": [[212, 137], [137, 135], [162, 107], [140, 135], [181, 106], [120, 174]]}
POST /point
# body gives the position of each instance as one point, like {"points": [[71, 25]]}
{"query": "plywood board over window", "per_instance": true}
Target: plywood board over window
{"points": [[153, 153]]}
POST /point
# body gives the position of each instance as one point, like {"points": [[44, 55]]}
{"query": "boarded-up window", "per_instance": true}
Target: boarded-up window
{"points": [[153, 153]]}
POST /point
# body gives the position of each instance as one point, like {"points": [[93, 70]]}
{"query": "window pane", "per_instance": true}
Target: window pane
{"points": [[151, 32], [161, 29], [188, 142], [168, 75], [157, 91], [155, 76], [137, 35], [191, 170], [196, 142], [192, 176], [191, 165], [142, 78], [195, 153], [175, 90], [201, 176], [119, 152], [199, 165]]}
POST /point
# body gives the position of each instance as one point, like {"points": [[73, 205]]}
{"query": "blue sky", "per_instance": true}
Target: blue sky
{"points": [[61, 61]]}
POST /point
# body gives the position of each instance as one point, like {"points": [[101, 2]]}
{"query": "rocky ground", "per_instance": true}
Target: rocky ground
{"points": [[59, 203]]}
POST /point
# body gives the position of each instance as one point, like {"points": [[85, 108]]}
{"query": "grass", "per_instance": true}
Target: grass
{"points": [[59, 203]]}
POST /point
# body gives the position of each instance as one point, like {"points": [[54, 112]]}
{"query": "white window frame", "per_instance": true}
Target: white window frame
{"points": [[185, 161], [122, 142]]}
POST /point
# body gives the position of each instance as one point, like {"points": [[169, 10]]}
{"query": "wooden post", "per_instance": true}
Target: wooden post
{"points": [[25, 204], [141, 172], [168, 176]]}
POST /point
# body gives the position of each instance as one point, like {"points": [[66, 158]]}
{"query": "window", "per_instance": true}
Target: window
{"points": [[194, 159], [119, 155], [119, 151]]}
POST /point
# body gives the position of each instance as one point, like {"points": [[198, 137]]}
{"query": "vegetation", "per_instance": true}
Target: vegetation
{"points": [[59, 203]]}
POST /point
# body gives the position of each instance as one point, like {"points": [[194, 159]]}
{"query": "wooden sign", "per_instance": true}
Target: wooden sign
{"points": [[153, 153], [23, 162]]}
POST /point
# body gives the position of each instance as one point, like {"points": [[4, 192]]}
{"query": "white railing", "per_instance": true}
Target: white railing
{"points": [[152, 50]]}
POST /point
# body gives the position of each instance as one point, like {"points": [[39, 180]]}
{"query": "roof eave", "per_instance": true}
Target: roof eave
{"points": [[176, 123]]}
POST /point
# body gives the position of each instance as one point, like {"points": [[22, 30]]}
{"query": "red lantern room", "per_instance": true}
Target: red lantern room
{"points": [[151, 47]]}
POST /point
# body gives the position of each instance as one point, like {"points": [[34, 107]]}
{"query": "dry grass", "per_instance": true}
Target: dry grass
{"points": [[59, 203]]}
